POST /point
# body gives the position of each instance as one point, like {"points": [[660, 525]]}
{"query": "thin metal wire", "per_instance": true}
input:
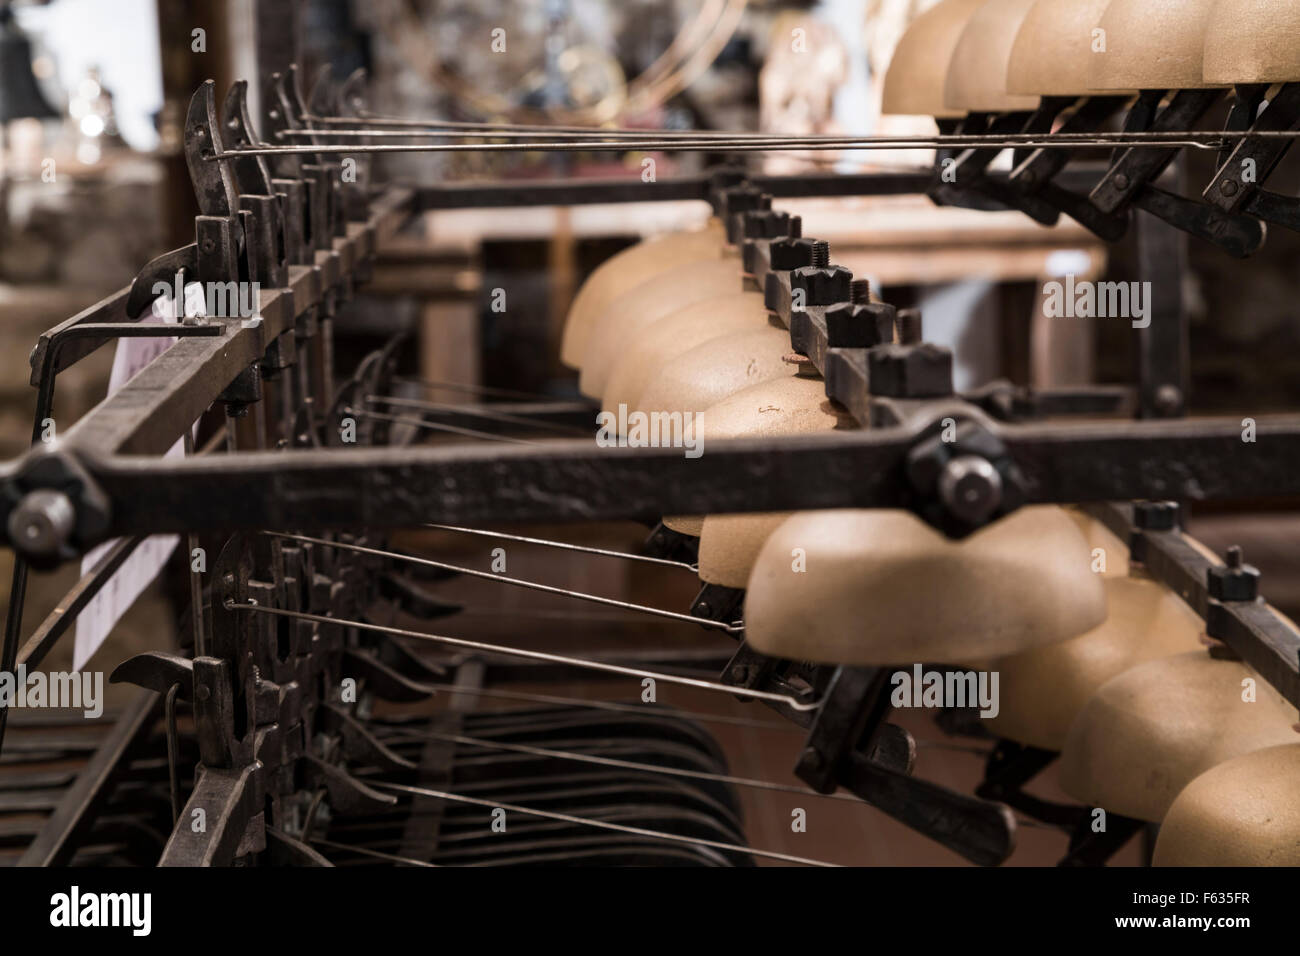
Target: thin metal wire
{"points": [[173, 749], [446, 127], [539, 132], [564, 545], [379, 120], [625, 764], [661, 713], [436, 427], [309, 819], [545, 614], [474, 411], [1051, 141], [465, 388], [734, 628], [600, 824], [196, 581], [673, 712], [366, 851], [792, 702]]}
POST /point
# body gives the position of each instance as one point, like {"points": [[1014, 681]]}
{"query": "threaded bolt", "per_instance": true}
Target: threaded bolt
{"points": [[860, 292], [821, 254], [908, 322]]}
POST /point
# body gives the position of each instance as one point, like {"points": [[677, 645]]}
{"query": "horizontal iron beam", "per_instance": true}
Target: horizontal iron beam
{"points": [[1193, 460]]}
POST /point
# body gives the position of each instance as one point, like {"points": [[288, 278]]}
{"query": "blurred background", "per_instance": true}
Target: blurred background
{"points": [[92, 185]]}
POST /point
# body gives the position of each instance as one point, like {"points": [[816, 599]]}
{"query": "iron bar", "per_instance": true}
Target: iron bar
{"points": [[533, 655]]}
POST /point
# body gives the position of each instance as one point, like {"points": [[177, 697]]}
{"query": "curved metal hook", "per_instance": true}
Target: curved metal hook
{"points": [[352, 100], [252, 172], [214, 184], [323, 98]]}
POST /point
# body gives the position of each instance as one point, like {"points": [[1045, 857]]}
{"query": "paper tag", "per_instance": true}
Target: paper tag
{"points": [[115, 598]]}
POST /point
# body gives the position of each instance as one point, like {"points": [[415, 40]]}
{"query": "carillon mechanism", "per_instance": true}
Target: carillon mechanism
{"points": [[865, 531]]}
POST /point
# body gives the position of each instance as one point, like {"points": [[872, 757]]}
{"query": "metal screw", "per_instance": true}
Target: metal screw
{"points": [[970, 487], [908, 324], [909, 371], [1237, 581], [1155, 515], [1121, 181], [43, 522], [822, 285], [1228, 187], [792, 253], [1168, 399]]}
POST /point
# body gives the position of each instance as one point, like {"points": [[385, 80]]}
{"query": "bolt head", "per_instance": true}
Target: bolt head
{"points": [[909, 371], [42, 523], [970, 488], [743, 198], [1233, 583], [766, 224], [787, 254], [859, 326], [1155, 515], [822, 286], [1168, 399]]}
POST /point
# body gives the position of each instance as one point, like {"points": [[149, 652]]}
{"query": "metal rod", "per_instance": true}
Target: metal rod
{"points": [[432, 385], [436, 426], [601, 824], [626, 764], [173, 749], [734, 628], [379, 120], [539, 132], [548, 614], [52, 629], [309, 818], [661, 713], [475, 412], [793, 702], [366, 851], [448, 127], [566, 546], [196, 584], [746, 146]]}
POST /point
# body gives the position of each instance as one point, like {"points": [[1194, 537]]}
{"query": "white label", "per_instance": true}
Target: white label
{"points": [[115, 598]]}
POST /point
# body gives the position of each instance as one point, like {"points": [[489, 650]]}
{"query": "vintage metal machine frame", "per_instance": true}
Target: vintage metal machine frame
{"points": [[267, 718]]}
